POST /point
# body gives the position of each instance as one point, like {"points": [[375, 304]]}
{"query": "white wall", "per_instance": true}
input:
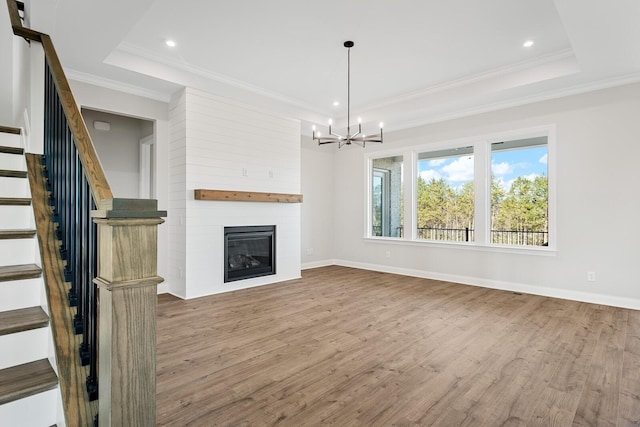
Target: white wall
{"points": [[118, 150], [597, 204], [102, 99], [220, 144], [6, 68], [317, 209]]}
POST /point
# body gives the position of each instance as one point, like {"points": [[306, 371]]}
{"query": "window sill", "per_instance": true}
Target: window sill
{"points": [[520, 250]]}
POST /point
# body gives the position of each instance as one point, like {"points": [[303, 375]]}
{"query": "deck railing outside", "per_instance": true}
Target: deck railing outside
{"points": [[501, 237]]}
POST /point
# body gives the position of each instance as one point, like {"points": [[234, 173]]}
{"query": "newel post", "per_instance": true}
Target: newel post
{"points": [[127, 280]]}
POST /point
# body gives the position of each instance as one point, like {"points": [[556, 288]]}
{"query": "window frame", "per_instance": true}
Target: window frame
{"points": [[482, 190]]}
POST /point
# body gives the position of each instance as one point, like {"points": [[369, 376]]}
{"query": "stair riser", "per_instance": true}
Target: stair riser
{"points": [[20, 294], [14, 187], [27, 346], [9, 139], [12, 162], [42, 409], [16, 217], [20, 251]]}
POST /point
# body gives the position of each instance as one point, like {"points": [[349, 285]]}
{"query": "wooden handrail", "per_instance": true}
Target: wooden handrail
{"points": [[86, 152], [100, 188], [16, 23]]}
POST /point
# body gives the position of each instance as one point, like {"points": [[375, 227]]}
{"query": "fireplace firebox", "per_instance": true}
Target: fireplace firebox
{"points": [[249, 251]]}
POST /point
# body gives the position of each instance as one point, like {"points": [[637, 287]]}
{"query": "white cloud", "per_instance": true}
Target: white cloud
{"points": [[543, 159], [459, 170], [500, 169], [430, 174], [436, 162], [505, 185]]}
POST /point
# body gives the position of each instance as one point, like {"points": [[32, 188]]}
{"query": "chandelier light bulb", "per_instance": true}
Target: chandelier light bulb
{"points": [[359, 120], [330, 121], [381, 125], [313, 128]]}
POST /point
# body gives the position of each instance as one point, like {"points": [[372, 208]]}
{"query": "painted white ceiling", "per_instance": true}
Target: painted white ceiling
{"points": [[414, 61]]}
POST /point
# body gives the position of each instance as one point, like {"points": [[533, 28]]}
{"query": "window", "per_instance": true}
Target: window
{"points": [[444, 195], [486, 191], [520, 192], [386, 197]]}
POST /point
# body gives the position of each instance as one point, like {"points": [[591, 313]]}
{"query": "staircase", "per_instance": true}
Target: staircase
{"points": [[29, 394]]}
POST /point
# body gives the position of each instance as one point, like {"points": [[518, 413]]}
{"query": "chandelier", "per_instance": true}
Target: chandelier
{"points": [[358, 137]]}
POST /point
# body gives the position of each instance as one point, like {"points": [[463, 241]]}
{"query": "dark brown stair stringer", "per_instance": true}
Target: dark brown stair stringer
{"points": [[18, 382], [23, 319], [19, 272]]}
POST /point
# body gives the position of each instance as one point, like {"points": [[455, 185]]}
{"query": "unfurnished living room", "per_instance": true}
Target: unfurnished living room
{"points": [[349, 213]]}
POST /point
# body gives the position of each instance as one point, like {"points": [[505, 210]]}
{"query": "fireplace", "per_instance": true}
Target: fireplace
{"points": [[249, 251]]}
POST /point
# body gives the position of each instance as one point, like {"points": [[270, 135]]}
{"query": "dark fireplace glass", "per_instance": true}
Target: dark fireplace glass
{"points": [[249, 252]]}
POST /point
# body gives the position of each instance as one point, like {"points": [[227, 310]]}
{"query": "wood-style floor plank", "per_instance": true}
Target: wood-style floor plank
{"points": [[356, 348]]}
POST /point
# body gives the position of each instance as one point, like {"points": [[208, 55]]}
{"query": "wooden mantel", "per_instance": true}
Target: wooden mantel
{"points": [[246, 196]]}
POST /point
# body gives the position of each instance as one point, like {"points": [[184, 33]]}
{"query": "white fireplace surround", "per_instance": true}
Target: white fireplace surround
{"points": [[221, 144]]}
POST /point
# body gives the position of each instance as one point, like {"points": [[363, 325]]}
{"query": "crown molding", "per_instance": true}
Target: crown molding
{"points": [[525, 100], [134, 50], [476, 78], [116, 85]]}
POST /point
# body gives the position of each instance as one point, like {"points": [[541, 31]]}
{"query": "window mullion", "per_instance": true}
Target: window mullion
{"points": [[482, 187]]}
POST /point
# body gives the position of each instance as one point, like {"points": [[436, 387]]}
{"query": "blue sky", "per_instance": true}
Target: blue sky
{"points": [[506, 166]]}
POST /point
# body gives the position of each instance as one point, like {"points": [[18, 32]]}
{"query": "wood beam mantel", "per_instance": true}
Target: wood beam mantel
{"points": [[246, 196]]}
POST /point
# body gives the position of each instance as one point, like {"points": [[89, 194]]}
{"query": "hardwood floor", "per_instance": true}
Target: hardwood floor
{"points": [[349, 347]]}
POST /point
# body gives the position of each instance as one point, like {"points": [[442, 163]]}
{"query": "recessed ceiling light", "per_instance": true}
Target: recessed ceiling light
{"points": [[170, 43], [336, 103], [528, 43]]}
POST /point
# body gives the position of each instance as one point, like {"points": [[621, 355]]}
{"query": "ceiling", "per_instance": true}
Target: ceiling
{"points": [[414, 61]]}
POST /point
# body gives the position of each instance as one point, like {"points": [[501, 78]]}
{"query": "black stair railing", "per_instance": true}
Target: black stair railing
{"points": [[72, 205]]}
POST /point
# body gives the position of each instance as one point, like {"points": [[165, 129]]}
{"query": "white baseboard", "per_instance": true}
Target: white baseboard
{"points": [[614, 301], [316, 264]]}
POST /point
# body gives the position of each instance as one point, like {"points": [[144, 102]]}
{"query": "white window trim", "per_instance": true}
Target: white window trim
{"points": [[482, 169]]}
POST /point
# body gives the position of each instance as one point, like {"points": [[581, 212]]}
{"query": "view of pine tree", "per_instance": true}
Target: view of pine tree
{"points": [[523, 207], [441, 206]]}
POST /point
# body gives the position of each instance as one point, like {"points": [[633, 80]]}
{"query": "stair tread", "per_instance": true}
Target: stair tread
{"points": [[11, 150], [15, 201], [23, 319], [18, 382], [9, 129], [12, 173], [17, 234], [19, 272]]}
